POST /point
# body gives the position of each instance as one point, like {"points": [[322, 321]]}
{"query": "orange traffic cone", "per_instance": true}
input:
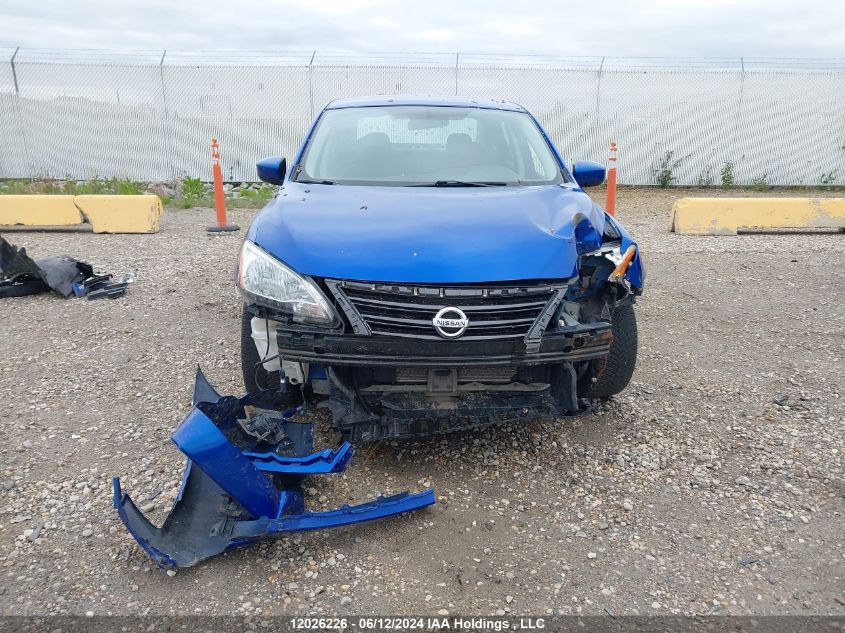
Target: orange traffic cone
{"points": [[219, 198], [610, 201]]}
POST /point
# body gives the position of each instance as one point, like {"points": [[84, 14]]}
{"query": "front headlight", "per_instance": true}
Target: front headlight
{"points": [[267, 281]]}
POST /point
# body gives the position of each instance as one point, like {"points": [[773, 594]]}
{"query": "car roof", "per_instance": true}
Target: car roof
{"points": [[423, 100]]}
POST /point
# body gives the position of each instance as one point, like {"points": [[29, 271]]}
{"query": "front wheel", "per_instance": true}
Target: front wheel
{"points": [[612, 373]]}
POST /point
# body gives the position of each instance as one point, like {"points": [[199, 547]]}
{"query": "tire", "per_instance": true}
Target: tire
{"points": [[256, 378], [613, 373]]}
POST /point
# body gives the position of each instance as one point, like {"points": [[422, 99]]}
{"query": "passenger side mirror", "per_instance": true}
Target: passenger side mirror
{"points": [[588, 173], [272, 170]]}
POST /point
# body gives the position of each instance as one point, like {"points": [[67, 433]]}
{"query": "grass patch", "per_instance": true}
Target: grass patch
{"points": [[760, 184], [251, 198], [94, 186], [187, 193]]}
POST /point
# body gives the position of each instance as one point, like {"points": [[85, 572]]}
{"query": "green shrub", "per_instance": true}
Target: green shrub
{"points": [[705, 179], [663, 170], [192, 190], [192, 187], [728, 175], [828, 180]]}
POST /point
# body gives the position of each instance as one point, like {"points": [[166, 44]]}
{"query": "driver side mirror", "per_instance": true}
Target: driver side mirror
{"points": [[588, 173], [272, 170]]}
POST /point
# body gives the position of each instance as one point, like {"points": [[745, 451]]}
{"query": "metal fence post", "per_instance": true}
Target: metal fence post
{"points": [[596, 125], [14, 71], [738, 114], [457, 61], [311, 82], [19, 113], [166, 126]]}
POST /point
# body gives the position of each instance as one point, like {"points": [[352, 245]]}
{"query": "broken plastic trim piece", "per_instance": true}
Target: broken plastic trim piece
{"points": [[233, 494], [22, 285]]}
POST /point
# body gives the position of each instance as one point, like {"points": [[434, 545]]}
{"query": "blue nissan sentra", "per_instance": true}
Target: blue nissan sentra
{"points": [[430, 265]]}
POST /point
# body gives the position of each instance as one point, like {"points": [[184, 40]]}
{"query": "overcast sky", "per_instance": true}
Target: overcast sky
{"points": [[750, 28]]}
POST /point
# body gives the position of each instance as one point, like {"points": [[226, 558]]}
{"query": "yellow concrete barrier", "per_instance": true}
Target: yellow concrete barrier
{"points": [[121, 214], [106, 214], [725, 216], [39, 211]]}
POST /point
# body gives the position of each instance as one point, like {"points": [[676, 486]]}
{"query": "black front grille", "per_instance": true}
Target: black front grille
{"points": [[494, 312]]}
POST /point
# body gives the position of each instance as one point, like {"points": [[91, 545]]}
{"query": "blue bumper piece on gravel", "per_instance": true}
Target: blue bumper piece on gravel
{"points": [[243, 481]]}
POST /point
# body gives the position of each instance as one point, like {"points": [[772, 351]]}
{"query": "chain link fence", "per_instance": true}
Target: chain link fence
{"points": [[151, 115]]}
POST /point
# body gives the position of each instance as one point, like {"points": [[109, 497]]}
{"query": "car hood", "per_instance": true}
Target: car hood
{"points": [[426, 235]]}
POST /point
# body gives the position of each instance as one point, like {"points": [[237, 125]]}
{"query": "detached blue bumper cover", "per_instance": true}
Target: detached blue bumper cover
{"points": [[243, 481]]}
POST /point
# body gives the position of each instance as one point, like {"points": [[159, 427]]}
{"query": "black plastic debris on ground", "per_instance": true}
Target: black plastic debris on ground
{"points": [[20, 276], [99, 287]]}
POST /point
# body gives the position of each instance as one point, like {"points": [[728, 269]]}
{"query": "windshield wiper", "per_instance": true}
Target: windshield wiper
{"points": [[460, 183], [309, 181]]}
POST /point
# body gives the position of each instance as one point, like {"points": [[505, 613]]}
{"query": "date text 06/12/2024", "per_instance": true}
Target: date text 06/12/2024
{"points": [[418, 623]]}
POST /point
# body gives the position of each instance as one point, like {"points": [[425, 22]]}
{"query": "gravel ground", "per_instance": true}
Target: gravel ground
{"points": [[714, 484]]}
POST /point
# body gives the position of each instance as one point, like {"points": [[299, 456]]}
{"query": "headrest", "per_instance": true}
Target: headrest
{"points": [[459, 138]]}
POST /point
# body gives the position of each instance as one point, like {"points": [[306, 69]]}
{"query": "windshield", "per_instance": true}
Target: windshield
{"points": [[428, 146]]}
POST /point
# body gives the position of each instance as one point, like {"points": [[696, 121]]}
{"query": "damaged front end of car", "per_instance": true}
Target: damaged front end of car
{"points": [[404, 359], [243, 481]]}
